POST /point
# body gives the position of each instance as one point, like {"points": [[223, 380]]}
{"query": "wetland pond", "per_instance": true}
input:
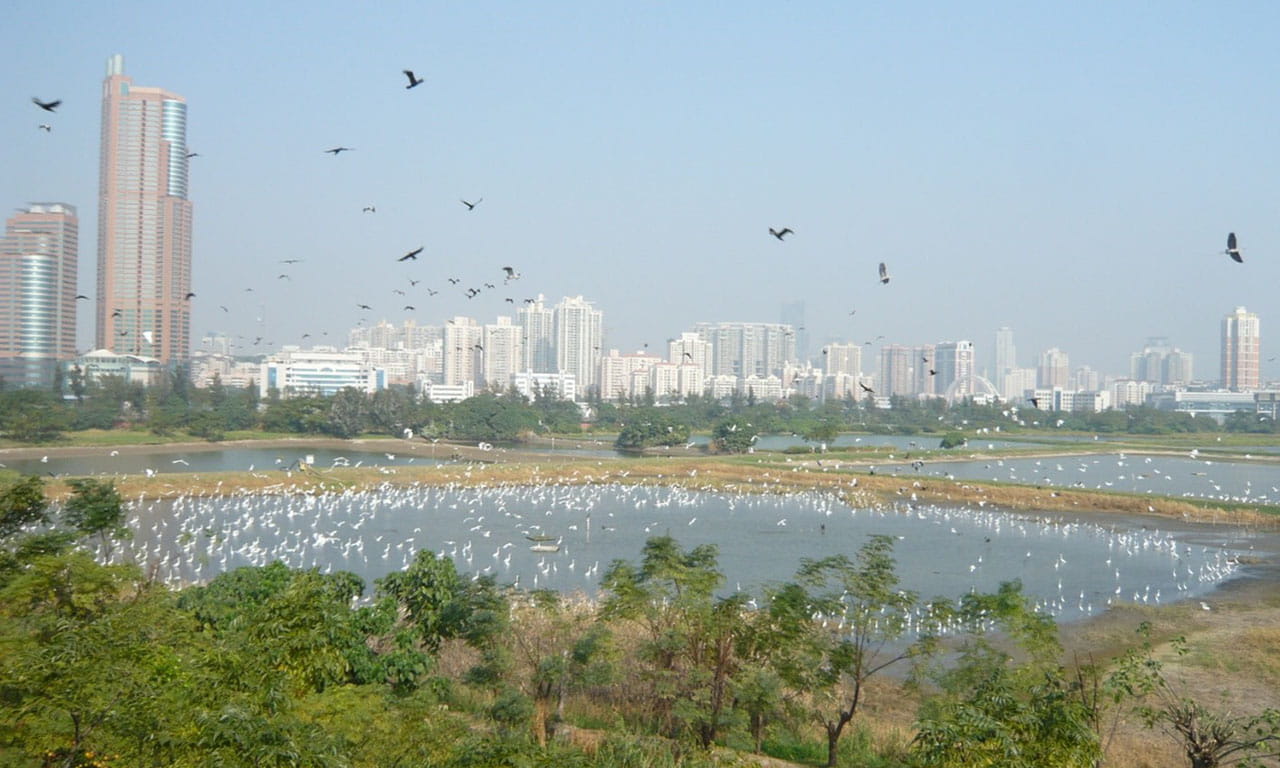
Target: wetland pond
{"points": [[1073, 566]]}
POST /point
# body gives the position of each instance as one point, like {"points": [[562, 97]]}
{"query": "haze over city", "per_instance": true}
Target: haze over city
{"points": [[1071, 174]]}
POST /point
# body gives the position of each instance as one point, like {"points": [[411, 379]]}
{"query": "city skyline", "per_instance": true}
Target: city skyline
{"points": [[1044, 197]]}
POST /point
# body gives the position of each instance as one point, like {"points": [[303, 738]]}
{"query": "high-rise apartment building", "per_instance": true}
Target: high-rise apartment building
{"points": [[38, 267], [1006, 353], [537, 324], [748, 349], [463, 338], [953, 361], [793, 315], [144, 221], [501, 355], [897, 371], [579, 333], [1158, 362], [1054, 370], [1241, 351], [842, 358]]}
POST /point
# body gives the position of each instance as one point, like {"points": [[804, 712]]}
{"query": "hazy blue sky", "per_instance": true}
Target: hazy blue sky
{"points": [[1068, 169]]}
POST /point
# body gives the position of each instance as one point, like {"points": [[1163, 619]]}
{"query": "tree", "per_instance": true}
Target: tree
{"points": [[732, 435], [440, 605], [823, 431], [861, 634], [997, 709], [22, 503], [95, 509], [1208, 737], [690, 636], [346, 413]]}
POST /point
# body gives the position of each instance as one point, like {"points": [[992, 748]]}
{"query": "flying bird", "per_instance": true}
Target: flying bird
{"points": [[192, 154], [283, 277], [512, 274], [80, 296], [46, 127], [472, 206], [338, 150], [189, 296], [397, 291], [473, 292], [866, 389], [364, 306], [47, 106], [781, 233], [454, 281], [223, 308], [368, 209], [431, 292], [932, 372], [1233, 250], [1035, 402], [689, 355], [412, 254], [509, 300], [414, 82], [410, 308], [117, 313], [884, 274], [413, 282]]}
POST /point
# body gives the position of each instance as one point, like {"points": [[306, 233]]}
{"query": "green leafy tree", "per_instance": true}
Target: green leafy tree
{"points": [[996, 708], [691, 637], [95, 509], [439, 604], [732, 435], [861, 633]]}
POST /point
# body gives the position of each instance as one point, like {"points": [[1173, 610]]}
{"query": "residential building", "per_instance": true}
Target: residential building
{"points": [[144, 221], [1017, 382], [842, 358], [502, 353], [100, 363], [625, 376], [38, 268], [793, 315], [1241, 351], [748, 349], [897, 371], [563, 386], [462, 337], [1054, 370], [1006, 353], [954, 363], [579, 333], [537, 323]]}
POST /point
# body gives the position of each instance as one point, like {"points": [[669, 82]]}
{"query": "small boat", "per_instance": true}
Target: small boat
{"points": [[543, 547], [539, 537]]}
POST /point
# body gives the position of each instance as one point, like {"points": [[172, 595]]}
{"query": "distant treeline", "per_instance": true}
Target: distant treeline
{"points": [[175, 407]]}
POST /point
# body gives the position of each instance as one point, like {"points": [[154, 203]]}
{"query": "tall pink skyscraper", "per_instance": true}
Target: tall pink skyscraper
{"points": [[144, 221], [1241, 351], [38, 256]]}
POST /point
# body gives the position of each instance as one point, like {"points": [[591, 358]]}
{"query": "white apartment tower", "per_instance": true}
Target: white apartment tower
{"points": [[462, 336], [501, 355], [579, 334], [537, 324]]}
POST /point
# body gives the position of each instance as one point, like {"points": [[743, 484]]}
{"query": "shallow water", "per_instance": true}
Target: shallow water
{"points": [[164, 460], [1177, 476], [1074, 567]]}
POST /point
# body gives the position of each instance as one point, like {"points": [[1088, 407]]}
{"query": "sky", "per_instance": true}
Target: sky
{"points": [[1068, 170]]}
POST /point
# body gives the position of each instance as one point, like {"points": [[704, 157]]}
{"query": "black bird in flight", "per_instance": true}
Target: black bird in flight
{"points": [[192, 154], [410, 308], [932, 372], [509, 300], [472, 206], [47, 106], [690, 355], [412, 254], [1035, 402], [223, 308], [122, 333], [454, 281], [884, 274], [283, 277], [431, 292], [337, 150], [413, 282], [189, 296], [866, 389], [46, 127], [80, 296], [512, 274], [781, 233], [529, 301], [398, 291], [117, 313], [368, 209], [414, 82], [1233, 250], [473, 292], [489, 285], [364, 306]]}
